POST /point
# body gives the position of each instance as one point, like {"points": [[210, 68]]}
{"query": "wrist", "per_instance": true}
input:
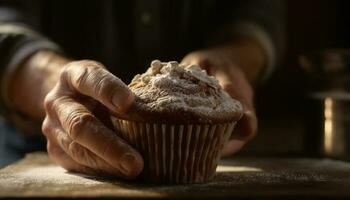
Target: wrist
{"points": [[33, 80]]}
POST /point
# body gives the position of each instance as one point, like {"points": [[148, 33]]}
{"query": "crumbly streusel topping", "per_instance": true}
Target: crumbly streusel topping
{"points": [[170, 86]]}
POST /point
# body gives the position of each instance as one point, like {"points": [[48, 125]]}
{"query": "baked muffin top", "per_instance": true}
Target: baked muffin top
{"points": [[175, 93]]}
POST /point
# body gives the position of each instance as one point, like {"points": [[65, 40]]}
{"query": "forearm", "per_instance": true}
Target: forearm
{"points": [[261, 21], [33, 80]]}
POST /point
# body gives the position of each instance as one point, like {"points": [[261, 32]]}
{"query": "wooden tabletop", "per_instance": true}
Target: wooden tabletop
{"points": [[243, 177]]}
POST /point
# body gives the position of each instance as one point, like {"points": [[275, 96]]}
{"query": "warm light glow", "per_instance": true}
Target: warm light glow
{"points": [[222, 168], [328, 126]]}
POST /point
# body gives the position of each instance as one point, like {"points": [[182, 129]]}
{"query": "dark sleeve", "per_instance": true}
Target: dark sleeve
{"points": [[17, 41], [263, 20]]}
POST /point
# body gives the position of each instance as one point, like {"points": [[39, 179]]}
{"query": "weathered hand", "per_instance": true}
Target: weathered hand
{"points": [[76, 122], [232, 79]]}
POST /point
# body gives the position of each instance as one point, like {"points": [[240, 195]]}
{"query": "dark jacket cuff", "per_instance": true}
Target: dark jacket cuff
{"points": [[17, 43]]}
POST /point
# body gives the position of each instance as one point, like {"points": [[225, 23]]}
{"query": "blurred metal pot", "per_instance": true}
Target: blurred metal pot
{"points": [[328, 120]]}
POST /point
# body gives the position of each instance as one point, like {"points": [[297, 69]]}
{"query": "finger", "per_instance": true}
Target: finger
{"points": [[196, 59], [233, 146], [75, 151], [233, 81], [238, 87], [61, 158], [85, 129], [91, 79], [246, 128], [81, 155]]}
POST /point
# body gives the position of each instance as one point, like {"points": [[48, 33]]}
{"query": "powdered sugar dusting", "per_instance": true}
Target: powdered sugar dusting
{"points": [[170, 86], [50, 174]]}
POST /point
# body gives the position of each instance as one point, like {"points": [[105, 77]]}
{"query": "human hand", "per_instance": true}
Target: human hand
{"points": [[77, 122], [218, 63]]}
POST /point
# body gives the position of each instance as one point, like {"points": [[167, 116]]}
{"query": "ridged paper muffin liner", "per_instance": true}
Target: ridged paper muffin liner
{"points": [[176, 154]]}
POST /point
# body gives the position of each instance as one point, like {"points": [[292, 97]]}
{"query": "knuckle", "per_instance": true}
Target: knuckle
{"points": [[104, 86], [66, 70], [80, 78], [77, 122], [53, 98], [53, 102], [78, 71], [46, 127], [49, 100], [89, 69]]}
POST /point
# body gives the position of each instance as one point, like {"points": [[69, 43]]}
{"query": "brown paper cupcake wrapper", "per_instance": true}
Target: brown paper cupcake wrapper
{"points": [[176, 153]]}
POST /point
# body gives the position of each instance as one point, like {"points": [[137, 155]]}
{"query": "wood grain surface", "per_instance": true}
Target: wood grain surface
{"points": [[242, 177]]}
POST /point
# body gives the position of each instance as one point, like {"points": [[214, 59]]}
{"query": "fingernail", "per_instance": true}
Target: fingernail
{"points": [[122, 101], [128, 162]]}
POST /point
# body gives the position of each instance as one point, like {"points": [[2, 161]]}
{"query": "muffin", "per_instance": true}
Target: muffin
{"points": [[180, 121]]}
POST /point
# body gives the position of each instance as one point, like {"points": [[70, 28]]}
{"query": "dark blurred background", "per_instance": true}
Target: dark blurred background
{"points": [[281, 102]]}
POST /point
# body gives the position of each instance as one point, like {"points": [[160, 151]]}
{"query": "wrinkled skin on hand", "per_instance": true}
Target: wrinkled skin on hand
{"points": [[77, 127], [218, 63]]}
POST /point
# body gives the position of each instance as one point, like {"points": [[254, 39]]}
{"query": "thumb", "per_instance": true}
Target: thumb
{"points": [[90, 78]]}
